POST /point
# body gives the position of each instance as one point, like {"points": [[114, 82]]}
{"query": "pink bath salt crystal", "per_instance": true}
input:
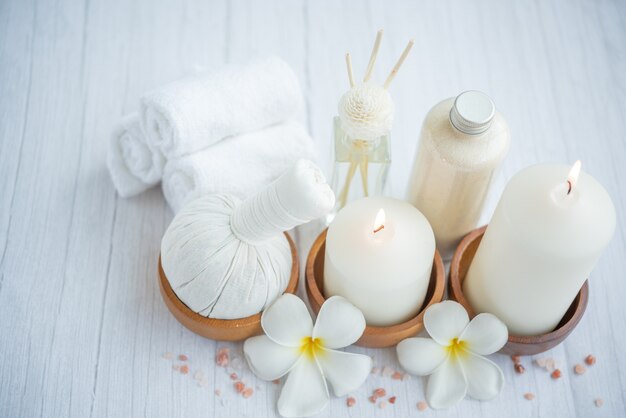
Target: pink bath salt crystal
{"points": [[392, 400], [184, 369], [247, 392], [529, 396], [234, 376], [550, 364], [397, 375], [387, 371], [579, 369], [541, 362], [372, 399], [380, 392], [217, 392], [182, 357], [168, 355], [222, 357], [382, 405], [422, 406], [599, 402], [350, 402], [239, 387]]}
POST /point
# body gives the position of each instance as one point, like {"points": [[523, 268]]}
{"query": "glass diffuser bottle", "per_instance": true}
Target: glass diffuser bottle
{"points": [[361, 134]]}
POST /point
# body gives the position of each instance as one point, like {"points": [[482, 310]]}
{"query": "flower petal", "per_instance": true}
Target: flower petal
{"points": [[305, 392], [339, 323], [344, 371], [485, 334], [267, 359], [287, 321], [420, 356], [484, 378], [446, 386], [445, 320]]}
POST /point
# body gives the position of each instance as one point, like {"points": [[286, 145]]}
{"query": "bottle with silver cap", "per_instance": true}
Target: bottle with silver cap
{"points": [[463, 141]]}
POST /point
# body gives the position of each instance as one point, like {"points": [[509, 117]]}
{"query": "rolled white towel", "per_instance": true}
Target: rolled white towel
{"points": [[133, 164], [190, 114], [240, 165]]}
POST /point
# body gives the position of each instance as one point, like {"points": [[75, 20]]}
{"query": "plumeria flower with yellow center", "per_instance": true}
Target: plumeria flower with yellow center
{"points": [[292, 344], [454, 356]]}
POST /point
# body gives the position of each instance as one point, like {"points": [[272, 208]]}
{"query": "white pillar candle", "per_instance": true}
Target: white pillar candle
{"points": [[546, 234], [379, 255]]}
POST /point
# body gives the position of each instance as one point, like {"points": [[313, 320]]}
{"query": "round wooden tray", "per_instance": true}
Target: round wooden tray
{"points": [[374, 337], [516, 345], [221, 329]]}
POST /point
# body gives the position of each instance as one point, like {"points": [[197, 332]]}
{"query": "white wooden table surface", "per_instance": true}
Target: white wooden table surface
{"points": [[82, 325]]}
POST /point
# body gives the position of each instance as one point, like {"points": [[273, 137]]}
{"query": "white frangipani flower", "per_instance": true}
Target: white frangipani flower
{"points": [[292, 344], [454, 355]]}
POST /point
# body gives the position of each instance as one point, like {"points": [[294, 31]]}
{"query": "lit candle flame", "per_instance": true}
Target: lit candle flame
{"points": [[379, 223], [572, 177]]}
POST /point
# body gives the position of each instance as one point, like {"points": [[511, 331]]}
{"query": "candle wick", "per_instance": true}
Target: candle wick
{"points": [[569, 187], [379, 228]]}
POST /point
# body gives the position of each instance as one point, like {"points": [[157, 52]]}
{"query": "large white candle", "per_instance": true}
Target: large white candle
{"points": [[379, 255], [546, 234]]}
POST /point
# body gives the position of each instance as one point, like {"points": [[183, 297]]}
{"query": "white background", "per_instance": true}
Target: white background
{"points": [[82, 325]]}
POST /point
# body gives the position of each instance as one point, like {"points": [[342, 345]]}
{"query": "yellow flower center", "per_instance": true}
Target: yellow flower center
{"points": [[457, 348], [311, 347]]}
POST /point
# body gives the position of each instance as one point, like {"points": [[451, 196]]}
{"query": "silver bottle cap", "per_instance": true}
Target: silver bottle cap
{"points": [[472, 112]]}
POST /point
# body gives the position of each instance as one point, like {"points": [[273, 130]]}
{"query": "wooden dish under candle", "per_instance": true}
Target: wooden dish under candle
{"points": [[373, 337], [221, 329], [517, 344]]}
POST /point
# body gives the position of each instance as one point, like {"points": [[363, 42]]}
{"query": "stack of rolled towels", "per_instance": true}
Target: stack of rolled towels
{"points": [[230, 131]]}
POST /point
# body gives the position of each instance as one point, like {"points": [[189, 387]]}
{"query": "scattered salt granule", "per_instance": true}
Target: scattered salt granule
{"points": [[541, 362], [233, 376], [350, 402], [547, 363], [519, 369], [168, 356], [382, 405], [387, 371], [599, 402], [235, 363], [375, 370], [182, 357], [397, 375], [421, 405], [579, 369], [247, 392], [239, 387], [222, 356], [529, 396], [590, 360], [372, 399], [184, 369], [392, 400], [217, 392], [380, 392], [556, 374], [515, 359]]}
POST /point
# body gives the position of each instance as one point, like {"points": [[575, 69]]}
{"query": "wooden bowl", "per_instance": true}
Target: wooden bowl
{"points": [[221, 329], [374, 337], [517, 344]]}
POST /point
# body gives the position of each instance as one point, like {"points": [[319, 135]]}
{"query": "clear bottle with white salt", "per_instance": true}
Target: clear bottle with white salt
{"points": [[463, 141]]}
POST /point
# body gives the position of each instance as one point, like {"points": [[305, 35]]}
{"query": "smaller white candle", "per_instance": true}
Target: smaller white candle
{"points": [[379, 256]]}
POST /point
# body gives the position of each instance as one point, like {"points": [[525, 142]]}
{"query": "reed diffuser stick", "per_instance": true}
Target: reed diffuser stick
{"points": [[350, 73], [396, 67], [370, 65]]}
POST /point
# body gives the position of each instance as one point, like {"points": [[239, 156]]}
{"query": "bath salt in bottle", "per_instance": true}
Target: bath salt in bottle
{"points": [[463, 140]]}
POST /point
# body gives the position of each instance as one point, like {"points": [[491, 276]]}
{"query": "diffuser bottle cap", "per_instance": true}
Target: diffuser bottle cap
{"points": [[472, 112]]}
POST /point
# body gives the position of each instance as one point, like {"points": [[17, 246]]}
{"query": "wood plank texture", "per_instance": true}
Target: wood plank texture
{"points": [[83, 328]]}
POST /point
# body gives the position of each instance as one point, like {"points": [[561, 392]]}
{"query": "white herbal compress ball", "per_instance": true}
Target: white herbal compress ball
{"points": [[366, 112], [228, 259]]}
